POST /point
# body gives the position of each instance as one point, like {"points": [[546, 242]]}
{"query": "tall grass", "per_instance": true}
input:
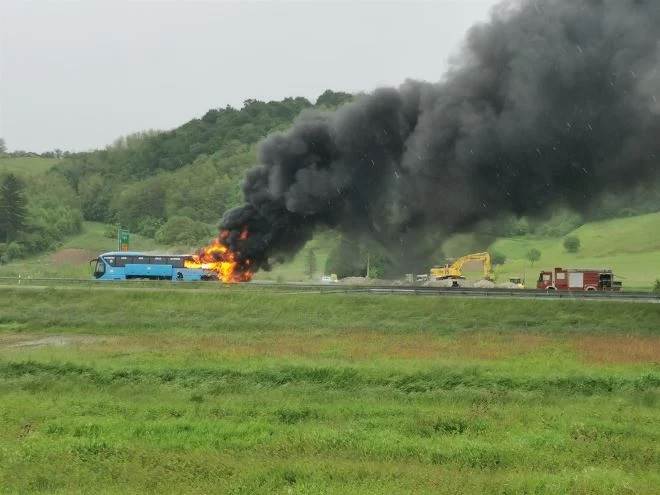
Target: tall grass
{"points": [[126, 391]]}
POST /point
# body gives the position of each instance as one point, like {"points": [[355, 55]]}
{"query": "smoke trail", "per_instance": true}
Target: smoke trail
{"points": [[551, 102]]}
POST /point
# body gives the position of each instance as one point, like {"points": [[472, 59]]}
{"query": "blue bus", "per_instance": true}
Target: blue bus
{"points": [[118, 265]]}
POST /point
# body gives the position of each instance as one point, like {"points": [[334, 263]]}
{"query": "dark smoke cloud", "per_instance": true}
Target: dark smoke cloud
{"points": [[552, 102]]}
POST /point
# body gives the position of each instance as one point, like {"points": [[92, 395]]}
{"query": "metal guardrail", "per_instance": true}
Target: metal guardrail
{"points": [[333, 288]]}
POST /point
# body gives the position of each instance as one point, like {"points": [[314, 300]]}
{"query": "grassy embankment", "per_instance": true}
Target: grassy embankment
{"points": [[127, 391]]}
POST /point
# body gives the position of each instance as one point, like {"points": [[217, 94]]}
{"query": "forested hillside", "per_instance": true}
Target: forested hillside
{"points": [[192, 172], [171, 186]]}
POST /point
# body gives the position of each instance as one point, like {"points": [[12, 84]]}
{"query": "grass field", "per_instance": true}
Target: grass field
{"points": [[71, 260], [237, 391], [26, 165], [629, 246]]}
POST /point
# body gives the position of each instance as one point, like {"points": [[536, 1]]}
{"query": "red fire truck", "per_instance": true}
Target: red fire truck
{"points": [[578, 280]]}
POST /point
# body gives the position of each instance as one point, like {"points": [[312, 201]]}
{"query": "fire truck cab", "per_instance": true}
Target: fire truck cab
{"points": [[578, 280]]}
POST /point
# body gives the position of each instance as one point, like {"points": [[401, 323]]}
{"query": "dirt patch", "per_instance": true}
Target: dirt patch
{"points": [[32, 341], [618, 349], [473, 346], [72, 257]]}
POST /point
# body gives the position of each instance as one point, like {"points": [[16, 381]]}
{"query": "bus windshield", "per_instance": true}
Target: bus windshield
{"points": [[98, 267]]}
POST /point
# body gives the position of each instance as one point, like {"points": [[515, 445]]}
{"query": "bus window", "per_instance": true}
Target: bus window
{"points": [[176, 262], [122, 261], [141, 260], [98, 267], [157, 260]]}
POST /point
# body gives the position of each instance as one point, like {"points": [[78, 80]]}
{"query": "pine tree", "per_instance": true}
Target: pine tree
{"points": [[13, 207]]}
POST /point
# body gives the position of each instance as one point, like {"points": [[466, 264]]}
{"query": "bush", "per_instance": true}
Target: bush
{"points": [[380, 265], [656, 287], [572, 244], [14, 251], [111, 231], [149, 226], [514, 226], [497, 258]]}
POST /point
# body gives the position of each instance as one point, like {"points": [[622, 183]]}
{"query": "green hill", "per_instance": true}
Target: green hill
{"points": [[169, 185], [629, 246]]}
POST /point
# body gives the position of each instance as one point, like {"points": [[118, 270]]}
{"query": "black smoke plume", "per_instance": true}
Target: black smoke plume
{"points": [[552, 102]]}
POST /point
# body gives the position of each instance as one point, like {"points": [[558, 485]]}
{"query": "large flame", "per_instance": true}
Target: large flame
{"points": [[219, 258]]}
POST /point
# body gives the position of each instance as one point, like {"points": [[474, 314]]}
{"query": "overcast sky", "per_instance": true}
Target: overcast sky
{"points": [[76, 75]]}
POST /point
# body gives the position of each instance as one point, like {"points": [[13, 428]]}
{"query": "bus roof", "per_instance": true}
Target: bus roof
{"points": [[137, 253]]}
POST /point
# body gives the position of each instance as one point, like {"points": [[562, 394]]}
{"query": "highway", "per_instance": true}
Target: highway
{"points": [[330, 288]]}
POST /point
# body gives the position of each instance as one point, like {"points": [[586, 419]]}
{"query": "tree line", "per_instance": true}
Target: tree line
{"points": [[172, 185], [36, 214]]}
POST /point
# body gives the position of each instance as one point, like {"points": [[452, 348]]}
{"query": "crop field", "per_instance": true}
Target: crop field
{"points": [[235, 391]]}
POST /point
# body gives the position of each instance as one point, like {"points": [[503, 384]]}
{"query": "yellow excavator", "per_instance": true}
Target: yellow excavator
{"points": [[455, 270]]}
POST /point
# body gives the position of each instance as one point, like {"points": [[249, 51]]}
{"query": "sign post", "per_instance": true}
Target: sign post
{"points": [[123, 238]]}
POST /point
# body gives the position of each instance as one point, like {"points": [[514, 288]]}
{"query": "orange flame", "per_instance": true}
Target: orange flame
{"points": [[219, 258]]}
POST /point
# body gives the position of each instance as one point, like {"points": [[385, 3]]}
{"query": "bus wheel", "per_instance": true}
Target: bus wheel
{"points": [[551, 289]]}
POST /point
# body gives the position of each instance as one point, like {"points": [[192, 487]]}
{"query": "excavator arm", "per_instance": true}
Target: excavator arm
{"points": [[455, 270]]}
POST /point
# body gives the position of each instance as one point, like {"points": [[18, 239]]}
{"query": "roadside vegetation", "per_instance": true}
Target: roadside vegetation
{"points": [[244, 391]]}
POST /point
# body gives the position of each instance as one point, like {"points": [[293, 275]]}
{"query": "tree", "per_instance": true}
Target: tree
{"points": [[533, 255], [141, 200], [3, 147], [497, 258], [310, 263], [333, 99], [656, 287], [379, 264], [572, 244], [13, 208], [183, 230], [95, 196]]}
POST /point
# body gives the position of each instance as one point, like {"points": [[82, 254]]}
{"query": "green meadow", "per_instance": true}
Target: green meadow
{"points": [[629, 246], [236, 390]]}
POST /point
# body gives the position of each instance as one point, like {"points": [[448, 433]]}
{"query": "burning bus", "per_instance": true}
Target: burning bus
{"points": [[142, 266], [217, 261]]}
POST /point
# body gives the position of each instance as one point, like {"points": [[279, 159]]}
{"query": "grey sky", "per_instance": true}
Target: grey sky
{"points": [[76, 75]]}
